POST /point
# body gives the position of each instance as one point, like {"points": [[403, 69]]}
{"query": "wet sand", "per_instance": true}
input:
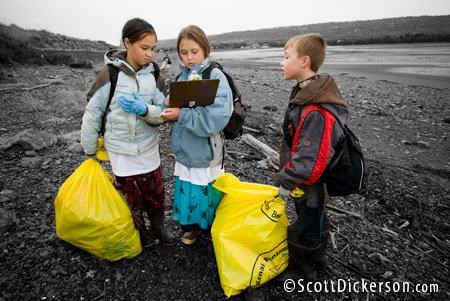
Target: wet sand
{"points": [[375, 72], [385, 73], [411, 64]]}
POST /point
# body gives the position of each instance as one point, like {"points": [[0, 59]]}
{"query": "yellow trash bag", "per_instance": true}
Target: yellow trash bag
{"points": [[101, 151], [249, 234], [90, 214]]}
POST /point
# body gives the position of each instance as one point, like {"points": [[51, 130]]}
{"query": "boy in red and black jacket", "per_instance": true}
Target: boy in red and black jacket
{"points": [[311, 135]]}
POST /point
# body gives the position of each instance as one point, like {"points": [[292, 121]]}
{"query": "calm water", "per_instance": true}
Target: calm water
{"points": [[410, 60]]}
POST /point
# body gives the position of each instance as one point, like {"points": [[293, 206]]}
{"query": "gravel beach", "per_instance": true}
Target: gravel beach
{"points": [[397, 232]]}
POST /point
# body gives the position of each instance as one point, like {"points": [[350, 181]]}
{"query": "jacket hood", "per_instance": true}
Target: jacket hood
{"points": [[115, 57], [118, 57], [320, 91], [324, 92]]}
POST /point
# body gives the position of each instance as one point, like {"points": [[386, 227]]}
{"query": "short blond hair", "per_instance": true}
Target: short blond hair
{"points": [[312, 45]]}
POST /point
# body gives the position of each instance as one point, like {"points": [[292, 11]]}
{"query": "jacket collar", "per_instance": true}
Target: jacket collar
{"points": [[197, 68], [118, 59], [321, 90]]}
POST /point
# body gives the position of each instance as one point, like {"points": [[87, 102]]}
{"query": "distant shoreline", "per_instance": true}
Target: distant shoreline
{"points": [[417, 65], [383, 72], [368, 71]]}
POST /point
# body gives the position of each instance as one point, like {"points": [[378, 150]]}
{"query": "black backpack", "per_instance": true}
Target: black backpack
{"points": [[234, 126], [346, 174], [113, 76]]}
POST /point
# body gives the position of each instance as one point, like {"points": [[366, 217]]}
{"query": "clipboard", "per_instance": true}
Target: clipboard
{"points": [[193, 93]]}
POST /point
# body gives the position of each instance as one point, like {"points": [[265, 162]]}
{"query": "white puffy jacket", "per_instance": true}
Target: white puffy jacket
{"points": [[125, 133]]}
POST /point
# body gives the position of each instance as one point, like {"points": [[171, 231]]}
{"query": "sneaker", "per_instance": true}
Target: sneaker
{"points": [[189, 238]]}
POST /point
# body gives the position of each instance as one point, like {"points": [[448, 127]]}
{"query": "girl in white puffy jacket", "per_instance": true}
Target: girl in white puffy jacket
{"points": [[131, 138]]}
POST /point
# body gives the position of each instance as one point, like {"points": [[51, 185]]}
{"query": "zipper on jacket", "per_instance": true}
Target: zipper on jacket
{"points": [[211, 147], [137, 82]]}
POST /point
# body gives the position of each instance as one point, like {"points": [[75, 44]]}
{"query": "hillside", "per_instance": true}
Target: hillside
{"points": [[18, 45], [40, 47], [393, 30]]}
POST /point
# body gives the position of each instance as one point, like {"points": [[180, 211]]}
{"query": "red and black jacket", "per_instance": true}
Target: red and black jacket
{"points": [[311, 135]]}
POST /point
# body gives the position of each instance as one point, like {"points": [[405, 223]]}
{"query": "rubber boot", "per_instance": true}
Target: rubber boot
{"points": [[147, 240], [303, 254], [162, 233], [322, 259]]}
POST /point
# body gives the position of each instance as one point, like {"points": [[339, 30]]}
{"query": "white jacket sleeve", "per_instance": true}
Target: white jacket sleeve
{"points": [[155, 109], [92, 119]]}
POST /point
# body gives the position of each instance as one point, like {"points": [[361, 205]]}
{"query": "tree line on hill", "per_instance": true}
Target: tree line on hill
{"points": [[424, 29], [18, 45]]}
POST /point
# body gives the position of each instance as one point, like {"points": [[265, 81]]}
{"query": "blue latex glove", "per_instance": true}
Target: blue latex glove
{"points": [[133, 105]]}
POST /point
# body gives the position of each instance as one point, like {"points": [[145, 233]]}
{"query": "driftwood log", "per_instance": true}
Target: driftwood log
{"points": [[13, 87], [272, 157], [251, 130]]}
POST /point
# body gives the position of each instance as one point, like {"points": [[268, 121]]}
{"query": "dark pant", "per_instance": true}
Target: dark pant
{"points": [[142, 191], [309, 221]]}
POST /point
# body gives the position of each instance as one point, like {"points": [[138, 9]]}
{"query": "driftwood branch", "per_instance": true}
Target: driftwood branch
{"points": [[442, 243], [333, 240], [344, 211], [426, 254], [265, 163], [275, 128], [30, 88], [239, 154], [388, 231], [229, 158], [350, 268], [272, 157], [247, 129]]}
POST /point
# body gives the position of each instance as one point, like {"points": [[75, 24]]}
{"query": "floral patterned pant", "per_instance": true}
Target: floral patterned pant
{"points": [[142, 191]]}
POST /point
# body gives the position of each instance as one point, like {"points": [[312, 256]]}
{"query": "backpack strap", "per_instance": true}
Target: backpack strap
{"points": [[113, 76], [156, 72], [206, 74]]}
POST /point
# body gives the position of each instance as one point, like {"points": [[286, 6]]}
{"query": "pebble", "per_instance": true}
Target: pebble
{"points": [[6, 191], [30, 153], [51, 294], [30, 162]]}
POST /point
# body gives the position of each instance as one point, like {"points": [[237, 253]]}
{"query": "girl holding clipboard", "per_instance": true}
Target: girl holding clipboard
{"points": [[197, 140]]}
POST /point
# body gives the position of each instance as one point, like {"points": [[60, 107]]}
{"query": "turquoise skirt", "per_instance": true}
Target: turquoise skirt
{"points": [[195, 204]]}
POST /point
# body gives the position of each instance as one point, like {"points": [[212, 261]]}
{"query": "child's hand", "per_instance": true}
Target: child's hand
{"points": [[284, 193], [93, 157], [171, 114], [133, 105], [167, 101]]}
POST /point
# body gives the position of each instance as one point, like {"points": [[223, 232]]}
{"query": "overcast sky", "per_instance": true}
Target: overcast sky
{"points": [[104, 19]]}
